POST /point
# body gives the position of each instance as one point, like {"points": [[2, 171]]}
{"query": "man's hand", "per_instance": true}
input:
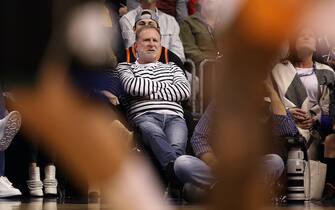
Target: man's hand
{"points": [[111, 97], [299, 114], [306, 124], [302, 118]]}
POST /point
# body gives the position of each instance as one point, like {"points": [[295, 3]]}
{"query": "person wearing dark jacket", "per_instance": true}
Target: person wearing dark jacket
{"points": [[197, 33]]}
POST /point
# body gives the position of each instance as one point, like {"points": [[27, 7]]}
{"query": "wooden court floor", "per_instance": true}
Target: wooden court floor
{"points": [[53, 204]]}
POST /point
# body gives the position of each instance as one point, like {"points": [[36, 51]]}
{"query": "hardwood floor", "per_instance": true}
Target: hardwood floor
{"points": [[53, 204]]}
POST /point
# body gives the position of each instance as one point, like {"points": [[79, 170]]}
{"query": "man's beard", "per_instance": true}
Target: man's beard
{"points": [[148, 57]]}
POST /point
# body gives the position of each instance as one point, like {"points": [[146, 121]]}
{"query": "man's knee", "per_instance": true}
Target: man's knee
{"points": [[274, 164], [183, 166]]}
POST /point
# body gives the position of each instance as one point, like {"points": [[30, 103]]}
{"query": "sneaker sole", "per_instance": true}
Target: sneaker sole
{"points": [[9, 195], [49, 193], [12, 126]]}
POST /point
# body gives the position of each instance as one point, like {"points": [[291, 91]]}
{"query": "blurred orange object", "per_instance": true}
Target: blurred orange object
{"points": [[268, 22]]}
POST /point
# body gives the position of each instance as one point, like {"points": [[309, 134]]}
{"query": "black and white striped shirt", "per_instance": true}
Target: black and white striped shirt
{"points": [[154, 87]]}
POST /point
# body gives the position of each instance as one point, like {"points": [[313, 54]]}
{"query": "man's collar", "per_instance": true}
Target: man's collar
{"points": [[137, 63]]}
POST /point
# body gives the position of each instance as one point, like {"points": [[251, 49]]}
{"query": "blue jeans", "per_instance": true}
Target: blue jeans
{"points": [[192, 170], [165, 135]]}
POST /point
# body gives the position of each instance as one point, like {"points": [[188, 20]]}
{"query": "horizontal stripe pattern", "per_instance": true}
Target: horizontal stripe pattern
{"points": [[153, 87]]}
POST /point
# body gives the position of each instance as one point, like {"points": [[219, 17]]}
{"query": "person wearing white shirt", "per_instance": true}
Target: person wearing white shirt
{"points": [[169, 28]]}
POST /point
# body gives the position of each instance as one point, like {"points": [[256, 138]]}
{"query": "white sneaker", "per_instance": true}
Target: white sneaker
{"points": [[50, 182], [7, 189], [9, 126], [34, 183]]}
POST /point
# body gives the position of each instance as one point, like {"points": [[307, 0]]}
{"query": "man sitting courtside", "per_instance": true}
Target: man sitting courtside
{"points": [[155, 91]]}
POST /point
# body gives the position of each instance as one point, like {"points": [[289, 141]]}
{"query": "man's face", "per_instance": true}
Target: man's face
{"points": [[148, 46], [145, 22]]}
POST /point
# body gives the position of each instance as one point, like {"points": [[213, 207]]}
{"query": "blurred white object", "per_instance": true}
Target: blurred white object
{"points": [[321, 18], [229, 9], [87, 36], [135, 180], [50, 182], [317, 173], [34, 183]]}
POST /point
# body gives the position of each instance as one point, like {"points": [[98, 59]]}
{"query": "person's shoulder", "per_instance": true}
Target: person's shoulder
{"points": [[124, 65], [170, 53], [161, 64], [192, 17], [195, 18], [130, 15], [322, 66], [188, 20], [282, 64], [172, 65], [173, 56], [281, 67]]}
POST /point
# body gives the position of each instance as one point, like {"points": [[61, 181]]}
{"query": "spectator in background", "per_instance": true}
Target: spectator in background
{"points": [[9, 126], [306, 85], [196, 172], [149, 18], [197, 32], [169, 28], [308, 94], [175, 8], [119, 6]]}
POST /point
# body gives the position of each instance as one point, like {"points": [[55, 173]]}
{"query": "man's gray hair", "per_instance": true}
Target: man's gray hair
{"points": [[138, 33]]}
